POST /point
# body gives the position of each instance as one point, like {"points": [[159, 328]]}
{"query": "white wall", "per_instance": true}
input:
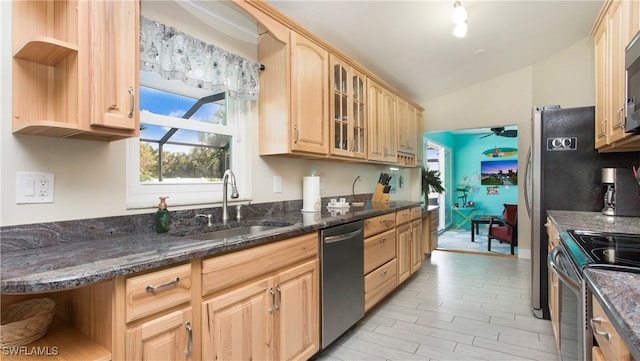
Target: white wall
{"points": [[566, 78]]}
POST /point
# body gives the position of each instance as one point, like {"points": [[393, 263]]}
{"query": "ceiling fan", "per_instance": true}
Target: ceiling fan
{"points": [[501, 132]]}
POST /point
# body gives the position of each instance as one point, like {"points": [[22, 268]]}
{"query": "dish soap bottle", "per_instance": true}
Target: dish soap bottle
{"points": [[162, 216]]}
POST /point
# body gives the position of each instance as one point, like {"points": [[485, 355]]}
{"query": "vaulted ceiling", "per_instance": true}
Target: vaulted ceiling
{"points": [[410, 44]]}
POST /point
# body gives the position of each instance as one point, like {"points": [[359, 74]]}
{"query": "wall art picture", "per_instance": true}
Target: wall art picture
{"points": [[499, 172], [493, 191], [499, 152]]}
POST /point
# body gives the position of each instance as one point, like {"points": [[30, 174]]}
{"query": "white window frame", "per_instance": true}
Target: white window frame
{"points": [[145, 195]]}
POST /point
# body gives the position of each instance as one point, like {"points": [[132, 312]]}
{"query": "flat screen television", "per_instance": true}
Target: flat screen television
{"points": [[499, 172]]}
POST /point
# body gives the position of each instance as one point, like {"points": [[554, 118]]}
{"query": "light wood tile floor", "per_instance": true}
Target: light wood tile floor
{"points": [[456, 307]]}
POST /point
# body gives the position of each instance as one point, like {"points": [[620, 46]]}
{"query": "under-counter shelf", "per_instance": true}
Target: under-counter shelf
{"points": [[45, 50], [61, 343]]}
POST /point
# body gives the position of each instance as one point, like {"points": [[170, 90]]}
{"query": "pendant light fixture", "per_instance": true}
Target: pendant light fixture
{"points": [[459, 17]]}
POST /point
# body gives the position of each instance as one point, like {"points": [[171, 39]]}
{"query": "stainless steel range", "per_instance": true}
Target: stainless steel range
{"points": [[607, 248], [575, 251]]}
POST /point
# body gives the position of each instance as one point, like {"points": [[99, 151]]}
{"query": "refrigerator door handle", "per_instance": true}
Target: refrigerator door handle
{"points": [[528, 181]]}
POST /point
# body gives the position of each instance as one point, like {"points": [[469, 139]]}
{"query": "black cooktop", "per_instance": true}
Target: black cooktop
{"points": [[607, 248]]}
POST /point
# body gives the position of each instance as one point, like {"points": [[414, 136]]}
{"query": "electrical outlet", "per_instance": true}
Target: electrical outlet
{"points": [[33, 187]]}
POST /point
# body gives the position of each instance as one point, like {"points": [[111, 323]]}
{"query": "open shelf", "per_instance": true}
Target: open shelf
{"points": [[45, 50], [49, 128], [61, 343]]}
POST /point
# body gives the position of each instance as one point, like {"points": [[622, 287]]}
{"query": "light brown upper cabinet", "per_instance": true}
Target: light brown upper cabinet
{"points": [[613, 29], [317, 102], [348, 102], [407, 124], [294, 94], [75, 68], [381, 120]]}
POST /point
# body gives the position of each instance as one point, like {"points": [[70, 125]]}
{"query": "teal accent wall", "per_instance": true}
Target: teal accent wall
{"points": [[446, 139], [467, 154]]}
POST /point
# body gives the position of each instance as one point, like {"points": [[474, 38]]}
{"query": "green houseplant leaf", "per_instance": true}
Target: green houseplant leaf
{"points": [[431, 181]]}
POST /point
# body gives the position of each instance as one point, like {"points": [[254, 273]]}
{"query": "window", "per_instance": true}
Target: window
{"points": [[196, 104], [188, 138], [197, 146]]}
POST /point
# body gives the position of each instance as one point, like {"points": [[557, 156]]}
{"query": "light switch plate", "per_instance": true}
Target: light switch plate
{"points": [[34, 187], [277, 184]]}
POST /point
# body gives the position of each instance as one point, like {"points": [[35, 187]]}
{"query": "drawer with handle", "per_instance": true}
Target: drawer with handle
{"points": [[152, 292], [403, 216], [611, 344], [379, 250], [379, 283], [375, 225], [416, 213]]}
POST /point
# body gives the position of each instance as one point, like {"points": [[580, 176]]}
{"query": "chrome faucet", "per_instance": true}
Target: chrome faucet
{"points": [[228, 174]]}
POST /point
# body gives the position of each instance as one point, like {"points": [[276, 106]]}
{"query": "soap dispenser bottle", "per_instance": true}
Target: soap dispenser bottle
{"points": [[162, 216]]}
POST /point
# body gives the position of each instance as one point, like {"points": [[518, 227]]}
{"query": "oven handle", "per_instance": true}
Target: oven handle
{"points": [[342, 237], [563, 276]]}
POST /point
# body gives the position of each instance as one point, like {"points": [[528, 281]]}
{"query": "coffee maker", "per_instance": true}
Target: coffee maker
{"points": [[608, 181], [622, 192]]}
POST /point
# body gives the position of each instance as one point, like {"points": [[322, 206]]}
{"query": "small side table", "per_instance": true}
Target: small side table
{"points": [[466, 213], [482, 219]]}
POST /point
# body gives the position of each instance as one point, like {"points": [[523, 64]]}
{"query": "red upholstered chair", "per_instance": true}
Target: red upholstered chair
{"points": [[508, 230]]}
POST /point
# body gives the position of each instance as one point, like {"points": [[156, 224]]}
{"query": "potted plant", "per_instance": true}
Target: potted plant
{"points": [[431, 182], [465, 194]]}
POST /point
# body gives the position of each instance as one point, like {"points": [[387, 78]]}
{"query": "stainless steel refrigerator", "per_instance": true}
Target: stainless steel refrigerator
{"points": [[563, 172]]}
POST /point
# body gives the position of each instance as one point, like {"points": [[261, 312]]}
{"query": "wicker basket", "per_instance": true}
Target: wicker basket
{"points": [[25, 322]]}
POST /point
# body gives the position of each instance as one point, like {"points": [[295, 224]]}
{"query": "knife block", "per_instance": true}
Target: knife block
{"points": [[379, 196]]}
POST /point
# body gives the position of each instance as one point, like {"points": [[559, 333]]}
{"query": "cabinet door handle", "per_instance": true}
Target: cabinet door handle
{"points": [[279, 297], [295, 128], [132, 102], [383, 239], [603, 129], [620, 117], [604, 334], [187, 325], [384, 273], [152, 288], [273, 300]]}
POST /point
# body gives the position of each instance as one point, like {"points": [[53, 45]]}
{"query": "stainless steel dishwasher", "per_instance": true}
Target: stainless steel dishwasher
{"points": [[342, 279]]}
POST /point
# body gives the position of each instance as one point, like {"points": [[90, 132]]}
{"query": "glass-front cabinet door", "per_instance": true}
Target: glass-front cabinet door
{"points": [[348, 104]]}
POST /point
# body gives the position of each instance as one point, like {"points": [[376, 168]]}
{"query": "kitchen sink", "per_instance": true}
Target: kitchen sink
{"points": [[225, 232], [232, 232]]}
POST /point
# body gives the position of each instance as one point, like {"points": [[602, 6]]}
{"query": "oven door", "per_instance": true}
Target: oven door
{"points": [[571, 329]]}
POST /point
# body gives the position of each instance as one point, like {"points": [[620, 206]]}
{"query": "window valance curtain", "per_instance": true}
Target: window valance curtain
{"points": [[176, 55]]}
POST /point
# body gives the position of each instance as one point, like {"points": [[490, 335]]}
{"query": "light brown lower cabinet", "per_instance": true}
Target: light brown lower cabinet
{"points": [[610, 345], [553, 285], [392, 252], [430, 231], [417, 256], [268, 308], [403, 252], [274, 318], [167, 337], [409, 242]]}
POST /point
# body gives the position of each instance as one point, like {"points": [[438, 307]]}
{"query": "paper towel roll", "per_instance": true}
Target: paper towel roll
{"points": [[311, 194]]}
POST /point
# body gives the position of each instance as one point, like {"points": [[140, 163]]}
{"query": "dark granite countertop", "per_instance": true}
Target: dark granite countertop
{"points": [[71, 261], [618, 294], [617, 291]]}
